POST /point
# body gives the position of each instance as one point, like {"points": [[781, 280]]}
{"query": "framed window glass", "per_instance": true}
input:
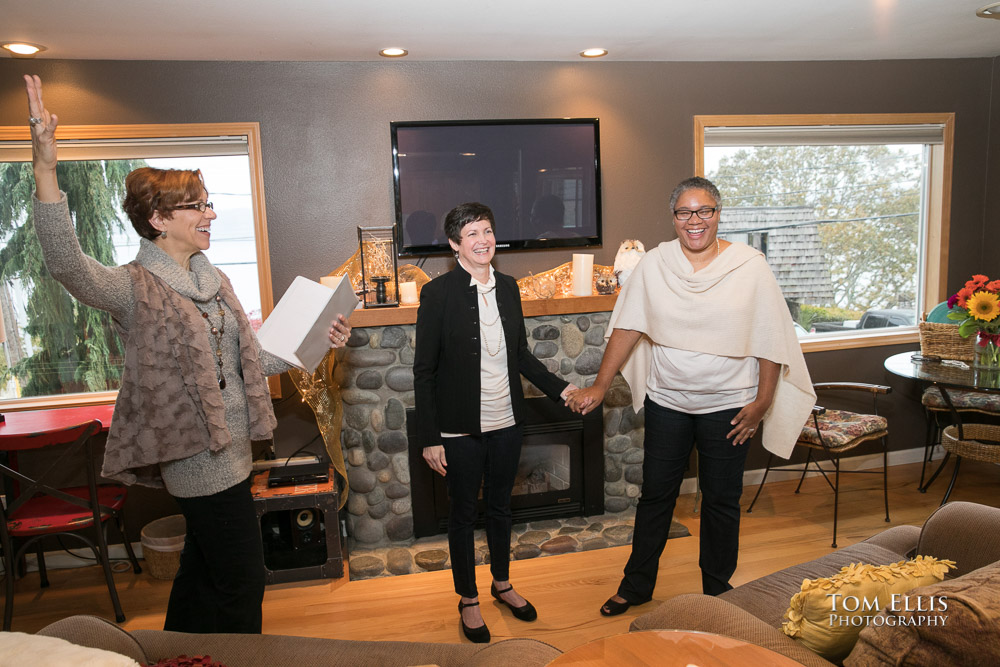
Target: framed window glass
{"points": [[849, 211], [56, 351]]}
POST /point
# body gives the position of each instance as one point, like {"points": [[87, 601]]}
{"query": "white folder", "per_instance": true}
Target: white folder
{"points": [[297, 330]]}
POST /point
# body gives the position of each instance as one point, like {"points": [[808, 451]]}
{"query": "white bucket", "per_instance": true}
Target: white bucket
{"points": [[162, 542]]}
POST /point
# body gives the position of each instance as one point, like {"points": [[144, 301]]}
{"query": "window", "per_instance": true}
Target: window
{"points": [[58, 352], [850, 211]]}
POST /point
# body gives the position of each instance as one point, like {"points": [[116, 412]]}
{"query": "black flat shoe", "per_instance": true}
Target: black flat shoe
{"points": [[525, 612], [613, 608], [480, 635]]}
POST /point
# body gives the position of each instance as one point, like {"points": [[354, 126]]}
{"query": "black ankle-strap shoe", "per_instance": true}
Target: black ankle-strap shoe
{"points": [[525, 612], [480, 635]]}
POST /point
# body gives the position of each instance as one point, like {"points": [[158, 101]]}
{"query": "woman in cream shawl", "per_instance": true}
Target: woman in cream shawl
{"points": [[706, 343]]}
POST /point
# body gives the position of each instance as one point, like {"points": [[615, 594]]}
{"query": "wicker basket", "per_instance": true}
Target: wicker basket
{"points": [[942, 340], [979, 444], [162, 542]]}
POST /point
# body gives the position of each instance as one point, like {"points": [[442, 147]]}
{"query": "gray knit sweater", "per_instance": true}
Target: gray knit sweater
{"points": [[110, 289]]}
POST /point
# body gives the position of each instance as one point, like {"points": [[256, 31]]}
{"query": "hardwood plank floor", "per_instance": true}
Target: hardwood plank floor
{"points": [[568, 589]]}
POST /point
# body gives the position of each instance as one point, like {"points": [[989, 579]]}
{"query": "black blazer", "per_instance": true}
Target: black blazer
{"points": [[446, 365]]}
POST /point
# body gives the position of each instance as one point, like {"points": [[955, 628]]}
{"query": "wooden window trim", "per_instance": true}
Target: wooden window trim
{"points": [[935, 249], [251, 131]]}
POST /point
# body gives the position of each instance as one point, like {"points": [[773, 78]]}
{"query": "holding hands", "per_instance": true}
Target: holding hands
{"points": [[585, 400]]}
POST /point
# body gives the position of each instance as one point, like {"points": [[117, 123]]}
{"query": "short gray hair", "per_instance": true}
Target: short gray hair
{"points": [[694, 183]]}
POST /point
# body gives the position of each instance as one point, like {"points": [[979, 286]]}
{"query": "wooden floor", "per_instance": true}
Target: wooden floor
{"points": [[784, 529]]}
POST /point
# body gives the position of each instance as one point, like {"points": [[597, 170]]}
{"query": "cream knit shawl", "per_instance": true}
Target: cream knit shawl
{"points": [[733, 307]]}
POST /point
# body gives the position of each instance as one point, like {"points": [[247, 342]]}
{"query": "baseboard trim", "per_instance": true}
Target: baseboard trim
{"points": [[60, 560]]}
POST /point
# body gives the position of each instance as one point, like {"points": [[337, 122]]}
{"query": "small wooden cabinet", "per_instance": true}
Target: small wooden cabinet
{"points": [[300, 529]]}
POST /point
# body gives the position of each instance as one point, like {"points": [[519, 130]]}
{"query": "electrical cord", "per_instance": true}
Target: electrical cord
{"points": [[295, 453]]}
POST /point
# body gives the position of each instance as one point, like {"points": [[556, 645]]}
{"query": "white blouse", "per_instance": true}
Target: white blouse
{"points": [[495, 408], [698, 383]]}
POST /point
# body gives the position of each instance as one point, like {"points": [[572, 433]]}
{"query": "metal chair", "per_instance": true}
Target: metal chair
{"points": [[35, 508], [836, 432]]}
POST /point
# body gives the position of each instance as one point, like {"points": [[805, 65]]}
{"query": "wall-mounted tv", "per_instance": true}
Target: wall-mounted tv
{"points": [[542, 178]]}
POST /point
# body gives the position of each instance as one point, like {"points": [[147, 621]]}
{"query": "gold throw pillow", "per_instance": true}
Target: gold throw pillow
{"points": [[828, 614]]}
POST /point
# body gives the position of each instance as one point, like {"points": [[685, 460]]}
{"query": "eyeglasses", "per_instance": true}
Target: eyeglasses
{"points": [[197, 206], [684, 214]]}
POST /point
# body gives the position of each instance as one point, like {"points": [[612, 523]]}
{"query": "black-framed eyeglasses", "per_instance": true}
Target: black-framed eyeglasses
{"points": [[684, 214], [197, 206]]}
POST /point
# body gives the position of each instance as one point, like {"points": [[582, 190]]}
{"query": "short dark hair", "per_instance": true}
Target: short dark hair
{"points": [[464, 214], [695, 183], [148, 190]]}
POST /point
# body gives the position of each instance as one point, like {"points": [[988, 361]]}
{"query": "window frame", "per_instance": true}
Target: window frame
{"points": [[934, 253], [251, 132]]}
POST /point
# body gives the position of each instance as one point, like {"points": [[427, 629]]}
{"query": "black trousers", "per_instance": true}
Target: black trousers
{"points": [[488, 460], [668, 440], [220, 584]]}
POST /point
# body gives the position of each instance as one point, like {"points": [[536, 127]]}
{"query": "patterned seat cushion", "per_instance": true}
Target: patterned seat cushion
{"points": [[962, 400], [840, 428]]}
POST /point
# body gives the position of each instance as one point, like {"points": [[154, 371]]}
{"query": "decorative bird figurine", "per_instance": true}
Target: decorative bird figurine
{"points": [[629, 254]]}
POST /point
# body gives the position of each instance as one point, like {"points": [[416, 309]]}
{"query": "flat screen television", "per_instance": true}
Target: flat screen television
{"points": [[541, 178]]}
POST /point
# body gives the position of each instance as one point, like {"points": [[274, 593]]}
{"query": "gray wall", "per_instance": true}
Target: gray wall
{"points": [[325, 134], [991, 182], [325, 128]]}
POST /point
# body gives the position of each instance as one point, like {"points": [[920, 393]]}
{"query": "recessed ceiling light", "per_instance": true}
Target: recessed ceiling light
{"points": [[593, 53], [22, 49], [393, 52], [990, 11]]}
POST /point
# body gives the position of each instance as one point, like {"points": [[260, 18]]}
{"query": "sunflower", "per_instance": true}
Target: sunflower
{"points": [[984, 306]]}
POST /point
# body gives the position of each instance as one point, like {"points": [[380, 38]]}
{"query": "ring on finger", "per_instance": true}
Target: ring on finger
{"points": [[34, 121]]}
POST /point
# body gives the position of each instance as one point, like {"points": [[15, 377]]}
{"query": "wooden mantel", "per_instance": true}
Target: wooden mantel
{"points": [[382, 317]]}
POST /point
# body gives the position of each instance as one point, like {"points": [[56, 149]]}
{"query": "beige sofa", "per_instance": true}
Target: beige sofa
{"points": [[966, 533], [151, 646]]}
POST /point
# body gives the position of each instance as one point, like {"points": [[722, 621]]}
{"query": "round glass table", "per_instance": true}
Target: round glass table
{"points": [[943, 373], [947, 374]]}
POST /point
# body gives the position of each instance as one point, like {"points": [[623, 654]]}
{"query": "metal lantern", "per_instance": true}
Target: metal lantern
{"points": [[378, 266]]}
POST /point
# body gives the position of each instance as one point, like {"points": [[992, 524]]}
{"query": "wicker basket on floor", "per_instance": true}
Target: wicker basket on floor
{"points": [[942, 340]]}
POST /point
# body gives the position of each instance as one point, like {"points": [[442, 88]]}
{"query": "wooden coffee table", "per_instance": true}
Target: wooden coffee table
{"points": [[671, 648]]}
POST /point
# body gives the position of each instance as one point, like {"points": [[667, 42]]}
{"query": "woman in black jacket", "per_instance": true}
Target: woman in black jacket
{"points": [[471, 350]]}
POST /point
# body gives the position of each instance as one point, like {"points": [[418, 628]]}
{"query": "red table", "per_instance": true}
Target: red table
{"points": [[34, 421]]}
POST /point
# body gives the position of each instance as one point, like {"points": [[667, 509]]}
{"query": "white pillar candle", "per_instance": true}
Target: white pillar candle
{"points": [[583, 275], [408, 294]]}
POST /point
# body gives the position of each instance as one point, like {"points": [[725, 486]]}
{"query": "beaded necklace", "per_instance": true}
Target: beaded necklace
{"points": [[217, 333], [483, 325]]}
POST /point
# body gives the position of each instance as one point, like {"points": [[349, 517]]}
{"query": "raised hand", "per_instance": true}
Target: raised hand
{"points": [[43, 141]]}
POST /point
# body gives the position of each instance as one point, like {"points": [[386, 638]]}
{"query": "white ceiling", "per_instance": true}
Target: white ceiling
{"points": [[544, 30]]}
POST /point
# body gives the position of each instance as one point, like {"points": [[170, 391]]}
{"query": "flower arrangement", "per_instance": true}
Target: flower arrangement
{"points": [[978, 311]]}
